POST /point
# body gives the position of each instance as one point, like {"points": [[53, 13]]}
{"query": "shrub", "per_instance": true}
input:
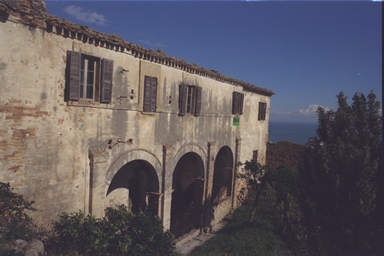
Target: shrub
{"points": [[15, 223], [120, 232]]}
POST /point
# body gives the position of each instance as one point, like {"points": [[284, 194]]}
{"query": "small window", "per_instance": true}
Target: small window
{"points": [[237, 103], [189, 100], [89, 78], [150, 94], [255, 155], [262, 110]]}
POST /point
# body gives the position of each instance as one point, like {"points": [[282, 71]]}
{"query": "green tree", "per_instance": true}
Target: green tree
{"points": [[284, 182], [255, 180], [341, 187]]}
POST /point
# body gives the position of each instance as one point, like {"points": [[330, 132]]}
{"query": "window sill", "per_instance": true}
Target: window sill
{"points": [[86, 103], [148, 113]]}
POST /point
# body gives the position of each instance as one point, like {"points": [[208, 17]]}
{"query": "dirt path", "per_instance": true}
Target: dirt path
{"points": [[187, 246]]}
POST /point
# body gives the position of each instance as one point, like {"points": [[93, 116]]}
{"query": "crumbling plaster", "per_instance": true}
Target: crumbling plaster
{"points": [[63, 154]]}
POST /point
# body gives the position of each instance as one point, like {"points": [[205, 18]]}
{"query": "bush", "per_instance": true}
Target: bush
{"points": [[15, 223], [120, 232]]}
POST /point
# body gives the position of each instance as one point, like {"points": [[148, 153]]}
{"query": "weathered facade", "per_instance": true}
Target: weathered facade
{"points": [[89, 120]]}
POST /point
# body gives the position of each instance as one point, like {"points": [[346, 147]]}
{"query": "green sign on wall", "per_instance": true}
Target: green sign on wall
{"points": [[236, 121]]}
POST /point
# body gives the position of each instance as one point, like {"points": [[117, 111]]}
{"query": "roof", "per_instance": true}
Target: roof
{"points": [[33, 13]]}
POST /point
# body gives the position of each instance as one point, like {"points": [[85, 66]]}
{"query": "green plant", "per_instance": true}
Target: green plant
{"points": [[256, 172], [79, 233], [120, 232], [239, 237], [15, 223], [342, 184]]}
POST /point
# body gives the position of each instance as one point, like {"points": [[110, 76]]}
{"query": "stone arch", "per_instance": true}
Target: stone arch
{"points": [[187, 194], [135, 154], [222, 175], [133, 180], [195, 148]]}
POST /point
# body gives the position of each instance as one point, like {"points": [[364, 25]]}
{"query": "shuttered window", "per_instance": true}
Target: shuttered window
{"points": [[106, 81], [237, 103], [89, 78], [73, 78], [190, 99], [198, 100], [262, 110], [150, 94]]}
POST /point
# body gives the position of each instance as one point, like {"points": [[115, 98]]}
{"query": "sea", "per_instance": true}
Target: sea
{"points": [[291, 131]]}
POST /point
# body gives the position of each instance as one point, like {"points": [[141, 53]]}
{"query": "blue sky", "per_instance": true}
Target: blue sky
{"points": [[305, 51]]}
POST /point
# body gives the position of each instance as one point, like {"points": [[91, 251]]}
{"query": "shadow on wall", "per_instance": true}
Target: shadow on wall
{"points": [[136, 185], [187, 195]]}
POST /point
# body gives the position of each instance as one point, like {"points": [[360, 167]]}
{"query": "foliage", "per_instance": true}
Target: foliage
{"points": [[241, 238], [340, 187], [12, 203], [15, 223], [282, 194], [255, 180], [120, 232]]}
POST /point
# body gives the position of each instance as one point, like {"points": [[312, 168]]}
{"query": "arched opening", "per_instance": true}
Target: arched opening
{"points": [[135, 185], [222, 176], [187, 194]]}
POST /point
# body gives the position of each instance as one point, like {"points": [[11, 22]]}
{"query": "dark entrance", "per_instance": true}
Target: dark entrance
{"points": [[222, 177], [140, 179], [187, 195]]}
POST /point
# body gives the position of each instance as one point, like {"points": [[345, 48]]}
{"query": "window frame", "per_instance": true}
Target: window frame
{"points": [[237, 103], [190, 100], [255, 155], [150, 94], [84, 81], [77, 74], [262, 111]]}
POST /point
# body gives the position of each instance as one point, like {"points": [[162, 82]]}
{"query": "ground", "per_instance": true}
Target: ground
{"points": [[187, 244]]}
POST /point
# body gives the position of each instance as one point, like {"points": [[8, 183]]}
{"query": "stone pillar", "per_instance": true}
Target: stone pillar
{"points": [[167, 175], [236, 166], [210, 169], [97, 184]]}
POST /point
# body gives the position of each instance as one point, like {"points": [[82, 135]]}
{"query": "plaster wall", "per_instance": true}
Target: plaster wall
{"points": [[63, 154]]}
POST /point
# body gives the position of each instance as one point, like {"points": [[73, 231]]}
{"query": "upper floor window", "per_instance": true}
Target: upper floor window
{"points": [[190, 99], [89, 74], [262, 110], [150, 94], [237, 103], [89, 78]]}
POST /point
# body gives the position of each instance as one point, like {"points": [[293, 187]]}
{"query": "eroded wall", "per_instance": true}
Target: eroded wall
{"points": [[63, 154]]}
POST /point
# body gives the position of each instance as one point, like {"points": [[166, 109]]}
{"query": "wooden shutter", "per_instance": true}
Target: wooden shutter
{"points": [[241, 103], [74, 69], [106, 81], [264, 110], [147, 94], [153, 94], [150, 94], [183, 91], [198, 100], [234, 103]]}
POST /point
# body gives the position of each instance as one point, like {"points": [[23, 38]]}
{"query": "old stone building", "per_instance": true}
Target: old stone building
{"points": [[89, 120]]}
